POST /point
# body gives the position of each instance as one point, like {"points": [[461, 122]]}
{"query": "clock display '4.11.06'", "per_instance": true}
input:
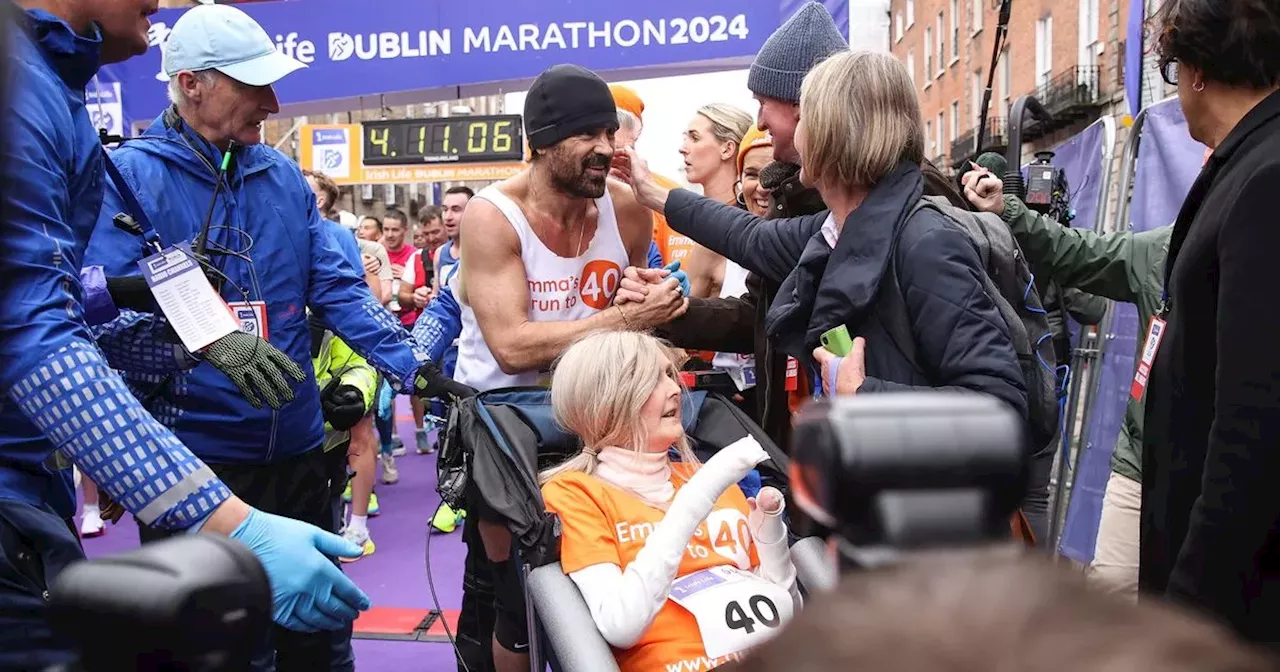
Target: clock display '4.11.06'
{"points": [[449, 140]]}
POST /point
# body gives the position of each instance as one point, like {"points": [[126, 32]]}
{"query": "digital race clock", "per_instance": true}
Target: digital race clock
{"points": [[449, 140]]}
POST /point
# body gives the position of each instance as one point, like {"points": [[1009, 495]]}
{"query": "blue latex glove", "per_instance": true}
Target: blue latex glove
{"points": [[308, 592], [679, 275], [384, 400], [751, 483]]}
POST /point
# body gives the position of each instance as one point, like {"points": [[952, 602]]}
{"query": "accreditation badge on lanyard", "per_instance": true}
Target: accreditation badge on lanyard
{"points": [[1141, 375], [793, 374], [735, 609], [252, 317]]}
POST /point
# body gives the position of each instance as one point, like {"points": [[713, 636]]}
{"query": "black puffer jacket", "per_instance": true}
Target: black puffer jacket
{"points": [[736, 324], [961, 339]]}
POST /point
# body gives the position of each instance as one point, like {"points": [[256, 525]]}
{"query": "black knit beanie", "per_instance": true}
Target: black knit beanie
{"points": [[566, 100]]}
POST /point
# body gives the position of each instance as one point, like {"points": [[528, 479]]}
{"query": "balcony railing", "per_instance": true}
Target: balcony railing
{"points": [[1070, 96], [995, 140]]}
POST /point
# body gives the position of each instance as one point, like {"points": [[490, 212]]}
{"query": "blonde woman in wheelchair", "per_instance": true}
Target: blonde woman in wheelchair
{"points": [[679, 569]]}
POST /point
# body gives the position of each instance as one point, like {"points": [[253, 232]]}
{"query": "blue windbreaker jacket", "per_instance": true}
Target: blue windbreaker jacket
{"points": [[268, 238], [59, 392]]}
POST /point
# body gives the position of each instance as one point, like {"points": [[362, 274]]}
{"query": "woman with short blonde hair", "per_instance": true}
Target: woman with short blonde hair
{"points": [[856, 135], [639, 527]]}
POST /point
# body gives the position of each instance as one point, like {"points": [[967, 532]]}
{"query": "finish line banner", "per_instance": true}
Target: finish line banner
{"points": [[355, 48]]}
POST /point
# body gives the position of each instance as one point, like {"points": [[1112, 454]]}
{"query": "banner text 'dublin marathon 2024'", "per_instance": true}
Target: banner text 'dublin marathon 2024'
{"points": [[356, 48]]}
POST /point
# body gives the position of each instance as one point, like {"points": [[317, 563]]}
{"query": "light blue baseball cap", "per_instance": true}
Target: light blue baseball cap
{"points": [[223, 38]]}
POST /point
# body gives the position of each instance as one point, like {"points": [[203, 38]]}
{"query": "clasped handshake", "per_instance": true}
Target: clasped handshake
{"points": [[649, 297]]}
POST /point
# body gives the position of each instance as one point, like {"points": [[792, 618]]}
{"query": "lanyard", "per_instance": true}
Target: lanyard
{"points": [[144, 228]]}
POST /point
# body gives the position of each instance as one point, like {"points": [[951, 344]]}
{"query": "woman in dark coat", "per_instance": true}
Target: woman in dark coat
{"points": [[1211, 453], [861, 118]]}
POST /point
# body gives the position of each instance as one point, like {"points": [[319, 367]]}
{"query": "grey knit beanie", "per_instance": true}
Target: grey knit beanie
{"points": [[807, 38]]}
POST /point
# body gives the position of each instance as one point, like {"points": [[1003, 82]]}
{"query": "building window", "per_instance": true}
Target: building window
{"points": [[928, 136], [975, 93], [941, 136], [976, 11], [955, 120], [1089, 46], [911, 65], [911, 13], [955, 30], [942, 43], [928, 54], [1044, 50], [897, 27], [1006, 83]]}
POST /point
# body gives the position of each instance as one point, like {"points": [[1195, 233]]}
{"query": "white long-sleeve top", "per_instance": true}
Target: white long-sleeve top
{"points": [[626, 594]]}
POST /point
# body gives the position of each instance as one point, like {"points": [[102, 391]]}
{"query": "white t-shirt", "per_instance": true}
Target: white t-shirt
{"points": [[561, 289], [410, 274], [741, 368]]}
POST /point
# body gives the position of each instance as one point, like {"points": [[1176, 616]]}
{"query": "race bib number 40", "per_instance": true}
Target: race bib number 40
{"points": [[735, 610]]}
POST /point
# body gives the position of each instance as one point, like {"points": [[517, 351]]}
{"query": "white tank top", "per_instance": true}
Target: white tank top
{"points": [[741, 368], [561, 289]]}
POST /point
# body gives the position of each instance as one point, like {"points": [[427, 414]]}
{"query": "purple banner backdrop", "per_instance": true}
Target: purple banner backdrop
{"points": [[409, 51], [1168, 162], [1081, 158]]}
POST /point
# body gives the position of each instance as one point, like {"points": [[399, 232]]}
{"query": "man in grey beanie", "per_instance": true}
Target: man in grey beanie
{"points": [[807, 38]]}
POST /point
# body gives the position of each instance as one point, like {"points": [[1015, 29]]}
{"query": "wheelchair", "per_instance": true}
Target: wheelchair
{"points": [[497, 441]]}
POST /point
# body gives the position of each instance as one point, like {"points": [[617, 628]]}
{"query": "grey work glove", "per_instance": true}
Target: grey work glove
{"points": [[256, 367]]}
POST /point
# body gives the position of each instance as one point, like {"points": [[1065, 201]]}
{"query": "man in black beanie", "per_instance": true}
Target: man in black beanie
{"points": [[541, 257]]}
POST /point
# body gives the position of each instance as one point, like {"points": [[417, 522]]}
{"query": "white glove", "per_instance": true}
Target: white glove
{"points": [[726, 468]]}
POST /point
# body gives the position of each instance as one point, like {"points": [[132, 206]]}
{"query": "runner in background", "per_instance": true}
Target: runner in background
{"points": [[416, 283], [375, 258], [395, 237], [453, 204], [710, 151]]}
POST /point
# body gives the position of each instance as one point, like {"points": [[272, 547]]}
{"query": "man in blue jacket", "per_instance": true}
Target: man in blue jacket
{"points": [[60, 392], [269, 252]]}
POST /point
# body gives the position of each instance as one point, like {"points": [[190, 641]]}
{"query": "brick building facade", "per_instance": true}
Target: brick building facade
{"points": [[1069, 53]]}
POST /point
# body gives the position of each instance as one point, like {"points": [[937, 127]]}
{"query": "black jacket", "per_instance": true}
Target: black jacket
{"points": [[736, 324], [960, 336], [1211, 451]]}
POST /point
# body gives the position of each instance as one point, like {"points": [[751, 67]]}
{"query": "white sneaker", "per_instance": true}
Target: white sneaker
{"points": [[398, 451], [390, 475], [359, 537], [92, 526]]}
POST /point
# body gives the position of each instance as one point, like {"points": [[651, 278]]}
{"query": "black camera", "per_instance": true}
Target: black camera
{"points": [[892, 473], [1047, 189], [197, 603]]}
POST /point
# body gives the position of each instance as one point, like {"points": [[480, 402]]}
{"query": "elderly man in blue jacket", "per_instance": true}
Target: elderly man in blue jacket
{"points": [[60, 391], [201, 172]]}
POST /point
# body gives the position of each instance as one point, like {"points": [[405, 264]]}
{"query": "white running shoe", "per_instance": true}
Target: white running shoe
{"points": [[92, 526], [390, 475], [359, 537]]}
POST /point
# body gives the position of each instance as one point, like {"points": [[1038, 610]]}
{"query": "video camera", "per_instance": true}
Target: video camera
{"points": [[197, 603], [895, 473], [1047, 190]]}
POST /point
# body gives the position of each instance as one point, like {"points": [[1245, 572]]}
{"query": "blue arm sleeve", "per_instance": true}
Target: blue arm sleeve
{"points": [[347, 307], [87, 411], [439, 324], [137, 342], [52, 371], [655, 255]]}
